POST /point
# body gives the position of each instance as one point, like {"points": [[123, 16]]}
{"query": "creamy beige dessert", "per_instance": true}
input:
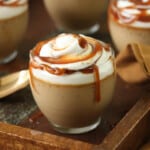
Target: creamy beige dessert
{"points": [[129, 22], [72, 79], [80, 16], [13, 23]]}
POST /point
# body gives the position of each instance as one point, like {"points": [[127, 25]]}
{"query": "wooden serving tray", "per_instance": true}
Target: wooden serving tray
{"points": [[120, 129], [129, 133], [124, 126]]}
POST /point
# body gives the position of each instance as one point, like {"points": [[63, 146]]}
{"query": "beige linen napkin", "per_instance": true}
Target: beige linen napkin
{"points": [[133, 63]]}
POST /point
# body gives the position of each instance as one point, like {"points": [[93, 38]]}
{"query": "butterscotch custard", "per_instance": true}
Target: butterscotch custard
{"points": [[72, 79], [129, 22], [13, 24], [12, 8], [75, 15]]}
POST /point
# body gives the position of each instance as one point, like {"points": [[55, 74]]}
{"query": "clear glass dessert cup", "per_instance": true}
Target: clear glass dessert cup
{"points": [[12, 30], [72, 108], [76, 16], [129, 22]]}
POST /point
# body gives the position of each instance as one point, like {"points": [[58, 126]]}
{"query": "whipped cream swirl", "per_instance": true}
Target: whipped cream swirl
{"points": [[70, 59], [12, 8], [132, 12]]}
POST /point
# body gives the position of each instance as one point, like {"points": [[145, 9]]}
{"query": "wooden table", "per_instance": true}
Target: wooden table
{"points": [[125, 124]]}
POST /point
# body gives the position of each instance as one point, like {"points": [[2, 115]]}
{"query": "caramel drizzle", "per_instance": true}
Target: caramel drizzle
{"points": [[66, 59], [57, 71], [143, 16], [13, 4], [31, 77], [97, 83], [140, 2], [82, 42]]}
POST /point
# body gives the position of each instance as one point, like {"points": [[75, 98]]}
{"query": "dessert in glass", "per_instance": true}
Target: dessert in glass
{"points": [[77, 16], [13, 24], [129, 22], [72, 79]]}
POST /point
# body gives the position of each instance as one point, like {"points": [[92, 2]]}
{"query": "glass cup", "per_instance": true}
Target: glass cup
{"points": [[129, 22], [72, 79], [13, 24], [75, 15]]}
